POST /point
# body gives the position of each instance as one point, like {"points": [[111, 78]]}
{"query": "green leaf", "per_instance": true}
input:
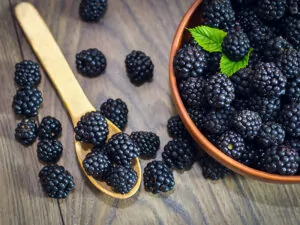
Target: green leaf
{"points": [[229, 67], [210, 39]]}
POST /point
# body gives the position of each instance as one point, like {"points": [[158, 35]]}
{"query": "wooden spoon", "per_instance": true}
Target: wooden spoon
{"points": [[62, 77]]}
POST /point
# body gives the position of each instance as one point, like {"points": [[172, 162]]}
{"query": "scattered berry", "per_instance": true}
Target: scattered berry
{"points": [[97, 165], [270, 134], [27, 73], [176, 127], [92, 10], [50, 127], [49, 150], [26, 131]]}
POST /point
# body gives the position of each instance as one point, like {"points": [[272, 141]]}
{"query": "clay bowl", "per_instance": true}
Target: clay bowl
{"points": [[191, 19]]}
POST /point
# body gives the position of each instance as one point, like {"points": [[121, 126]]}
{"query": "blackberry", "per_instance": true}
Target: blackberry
{"points": [[97, 165], [179, 154], [219, 91], [90, 62], [271, 10], [211, 169], [294, 144], [176, 127], [56, 181], [289, 63], [243, 2], [275, 47], [270, 134], [26, 131], [248, 19], [121, 149], [293, 90], [211, 137], [259, 35], [267, 108], [50, 127], [27, 101], [242, 82], [255, 58], [27, 73], [92, 10], [49, 150], [197, 116], [92, 128], [240, 103], [254, 157], [148, 142], [232, 144], [268, 80], [290, 119], [116, 111], [291, 26], [217, 121], [158, 177], [282, 160], [139, 67], [293, 7], [249, 154], [247, 123], [235, 45], [122, 179], [192, 91], [213, 63]]}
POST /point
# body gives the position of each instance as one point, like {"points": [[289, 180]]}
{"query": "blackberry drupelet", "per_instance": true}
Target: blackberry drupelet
{"points": [[213, 62], [293, 7], [270, 134], [241, 81], [176, 127], [197, 116], [282, 160], [122, 149], [116, 111], [290, 119], [232, 144], [26, 131], [179, 153], [289, 63], [271, 10], [97, 165], [121, 179], [219, 91], [190, 61], [49, 150], [50, 127], [217, 121], [56, 181], [247, 123], [139, 67], [92, 10], [293, 90], [275, 47], [27, 101], [158, 177], [235, 45], [291, 26], [192, 91], [90, 62], [268, 80], [148, 142], [92, 128], [27, 73]]}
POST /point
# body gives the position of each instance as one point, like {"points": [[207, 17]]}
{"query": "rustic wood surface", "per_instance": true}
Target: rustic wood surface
{"points": [[128, 24]]}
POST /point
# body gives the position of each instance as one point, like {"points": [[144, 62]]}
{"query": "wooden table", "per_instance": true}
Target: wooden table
{"points": [[147, 25]]}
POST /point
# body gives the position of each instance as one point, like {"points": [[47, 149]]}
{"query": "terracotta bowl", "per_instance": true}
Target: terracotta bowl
{"points": [[191, 19]]}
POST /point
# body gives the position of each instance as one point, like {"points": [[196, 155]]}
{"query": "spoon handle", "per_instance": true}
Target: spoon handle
{"points": [[53, 61]]}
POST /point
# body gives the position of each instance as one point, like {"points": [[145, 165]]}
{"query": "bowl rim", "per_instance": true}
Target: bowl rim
{"points": [[204, 143]]}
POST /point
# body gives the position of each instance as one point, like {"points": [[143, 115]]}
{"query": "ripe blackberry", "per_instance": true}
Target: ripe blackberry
{"points": [[259, 35], [247, 123], [248, 18], [236, 45], [139, 67], [271, 10], [50, 127], [291, 26], [211, 169], [242, 82], [248, 156], [282, 160], [49, 150], [290, 119], [293, 7], [158, 177], [240, 103], [92, 128], [254, 157], [27, 73], [56, 181], [293, 90], [217, 121], [176, 127], [92, 10], [97, 165], [122, 149], [90, 62], [289, 63], [148, 142], [213, 62], [275, 47], [192, 91], [26, 131], [179, 154], [116, 111], [255, 58], [270, 134], [294, 143], [197, 116], [219, 91], [121, 179], [232, 144], [27, 101], [268, 80]]}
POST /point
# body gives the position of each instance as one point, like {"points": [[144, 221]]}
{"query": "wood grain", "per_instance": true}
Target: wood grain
{"points": [[128, 24]]}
